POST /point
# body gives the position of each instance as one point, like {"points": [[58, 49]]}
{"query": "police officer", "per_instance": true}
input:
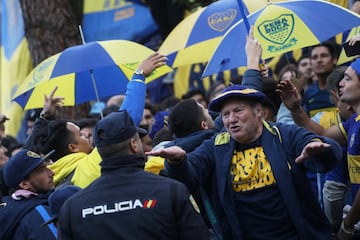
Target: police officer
{"points": [[126, 202]]}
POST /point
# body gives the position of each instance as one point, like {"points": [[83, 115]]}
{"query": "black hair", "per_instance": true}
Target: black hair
{"points": [[332, 48], [185, 118], [58, 139]]}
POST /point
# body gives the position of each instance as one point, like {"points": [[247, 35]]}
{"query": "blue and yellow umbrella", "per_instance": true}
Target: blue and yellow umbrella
{"points": [[195, 38], [282, 27], [91, 71]]}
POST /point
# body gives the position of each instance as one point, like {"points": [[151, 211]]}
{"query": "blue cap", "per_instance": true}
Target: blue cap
{"points": [[21, 165], [57, 199], [236, 91], [115, 128], [356, 66]]}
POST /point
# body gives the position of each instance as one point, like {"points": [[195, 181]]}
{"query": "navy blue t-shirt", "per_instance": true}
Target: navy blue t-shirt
{"points": [[263, 215], [260, 208]]}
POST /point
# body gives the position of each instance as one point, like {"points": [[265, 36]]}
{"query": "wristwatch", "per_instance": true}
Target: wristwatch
{"points": [[139, 72]]}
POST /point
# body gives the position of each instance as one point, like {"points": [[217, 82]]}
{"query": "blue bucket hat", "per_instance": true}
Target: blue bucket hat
{"points": [[21, 165], [57, 199], [115, 128], [236, 91], [356, 66]]}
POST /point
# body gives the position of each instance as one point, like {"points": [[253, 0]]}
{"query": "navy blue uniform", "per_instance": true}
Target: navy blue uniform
{"points": [[23, 219], [128, 203]]}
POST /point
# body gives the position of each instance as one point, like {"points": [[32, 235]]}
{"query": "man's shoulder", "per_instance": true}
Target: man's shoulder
{"points": [[14, 211]]}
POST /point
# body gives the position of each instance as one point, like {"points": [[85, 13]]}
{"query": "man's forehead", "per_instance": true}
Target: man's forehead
{"points": [[350, 72]]}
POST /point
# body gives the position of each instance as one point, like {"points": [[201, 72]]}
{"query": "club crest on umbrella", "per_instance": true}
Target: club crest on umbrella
{"points": [[39, 72], [278, 30], [221, 21]]}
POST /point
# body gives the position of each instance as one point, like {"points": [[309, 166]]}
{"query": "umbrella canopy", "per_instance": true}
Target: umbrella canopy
{"points": [[282, 27], [85, 72], [194, 38], [343, 58]]}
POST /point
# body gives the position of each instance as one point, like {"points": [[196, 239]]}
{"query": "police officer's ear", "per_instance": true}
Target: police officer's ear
{"points": [[135, 144], [25, 184]]}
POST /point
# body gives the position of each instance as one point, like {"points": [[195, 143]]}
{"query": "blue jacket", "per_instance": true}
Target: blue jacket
{"points": [[209, 166], [191, 141], [23, 219]]}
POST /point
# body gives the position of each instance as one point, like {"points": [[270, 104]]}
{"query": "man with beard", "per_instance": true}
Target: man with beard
{"points": [[30, 182]]}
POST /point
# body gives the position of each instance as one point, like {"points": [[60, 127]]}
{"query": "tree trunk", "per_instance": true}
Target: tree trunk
{"points": [[50, 27]]}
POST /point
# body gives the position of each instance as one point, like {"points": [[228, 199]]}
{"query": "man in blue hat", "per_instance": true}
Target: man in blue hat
{"points": [[126, 202], [57, 200], [255, 172], [30, 183]]}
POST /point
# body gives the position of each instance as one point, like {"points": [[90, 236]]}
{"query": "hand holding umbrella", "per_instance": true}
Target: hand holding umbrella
{"points": [[149, 65], [282, 27], [253, 51]]}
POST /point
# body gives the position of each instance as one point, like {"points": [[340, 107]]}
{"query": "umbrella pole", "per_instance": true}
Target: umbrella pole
{"points": [[242, 10], [96, 90], [81, 34]]}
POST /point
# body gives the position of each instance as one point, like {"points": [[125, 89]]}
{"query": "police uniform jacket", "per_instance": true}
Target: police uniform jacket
{"points": [[128, 203], [23, 219]]}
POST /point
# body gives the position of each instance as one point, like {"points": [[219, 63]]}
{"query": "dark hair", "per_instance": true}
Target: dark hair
{"points": [[58, 139], [193, 92], [305, 54], [332, 48], [332, 81], [211, 91], [164, 134], [152, 108], [185, 118], [288, 68], [168, 103], [273, 99], [10, 143], [86, 122], [285, 59]]}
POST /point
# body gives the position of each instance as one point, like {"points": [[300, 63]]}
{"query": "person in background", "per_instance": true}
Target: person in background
{"points": [[86, 126], [336, 181], [304, 68], [323, 58], [346, 133], [198, 95], [289, 72]]}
